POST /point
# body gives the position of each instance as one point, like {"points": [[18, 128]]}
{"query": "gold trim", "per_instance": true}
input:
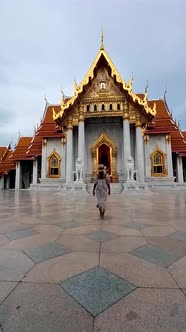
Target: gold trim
{"points": [[146, 138], [138, 121], [114, 74], [163, 155], [54, 153], [105, 139], [69, 126], [168, 138]]}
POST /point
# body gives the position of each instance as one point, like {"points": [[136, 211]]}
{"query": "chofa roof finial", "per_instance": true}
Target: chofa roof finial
{"points": [[102, 41], [146, 88], [164, 95]]}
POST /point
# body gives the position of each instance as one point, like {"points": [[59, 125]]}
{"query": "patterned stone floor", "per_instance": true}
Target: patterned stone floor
{"points": [[64, 269]]}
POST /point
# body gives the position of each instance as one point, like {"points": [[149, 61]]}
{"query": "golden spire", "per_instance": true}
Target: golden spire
{"points": [[75, 86], [102, 41], [131, 82]]}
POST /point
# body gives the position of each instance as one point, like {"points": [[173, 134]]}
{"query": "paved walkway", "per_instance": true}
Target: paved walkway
{"points": [[63, 269]]}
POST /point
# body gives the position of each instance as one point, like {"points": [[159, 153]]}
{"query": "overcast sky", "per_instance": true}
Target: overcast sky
{"points": [[45, 44]]}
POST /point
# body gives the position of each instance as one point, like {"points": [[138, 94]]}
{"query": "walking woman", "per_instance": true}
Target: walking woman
{"points": [[101, 188]]}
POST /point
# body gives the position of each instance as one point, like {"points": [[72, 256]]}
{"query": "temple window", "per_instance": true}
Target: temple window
{"points": [[95, 107], [88, 108], [158, 163], [118, 107], [110, 107], [102, 85], [54, 161], [103, 107]]}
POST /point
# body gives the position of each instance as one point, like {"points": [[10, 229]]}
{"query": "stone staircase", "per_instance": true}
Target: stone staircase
{"points": [[48, 184]]}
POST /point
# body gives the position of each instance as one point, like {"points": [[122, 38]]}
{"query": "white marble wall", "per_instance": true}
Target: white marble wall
{"points": [[47, 149], [154, 141]]}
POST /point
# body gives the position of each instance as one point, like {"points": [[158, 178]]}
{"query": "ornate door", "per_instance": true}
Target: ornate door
{"points": [[104, 156]]}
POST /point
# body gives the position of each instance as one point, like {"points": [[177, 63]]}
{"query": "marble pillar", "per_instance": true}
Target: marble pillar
{"points": [[8, 181], [35, 171], [2, 182], [69, 151], [81, 138], [179, 170], [126, 137], [18, 175], [169, 155], [147, 156], [139, 151], [44, 159]]}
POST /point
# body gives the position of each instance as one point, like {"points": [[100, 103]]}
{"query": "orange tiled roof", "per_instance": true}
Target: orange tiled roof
{"points": [[2, 151], [184, 134], [141, 95], [163, 123], [6, 164], [20, 150], [47, 128]]}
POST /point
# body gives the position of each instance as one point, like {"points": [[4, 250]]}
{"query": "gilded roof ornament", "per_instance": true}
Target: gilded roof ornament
{"points": [[75, 87], [114, 74], [62, 99], [131, 83], [146, 88], [19, 134], [145, 98], [45, 98], [102, 41], [55, 115], [164, 95]]}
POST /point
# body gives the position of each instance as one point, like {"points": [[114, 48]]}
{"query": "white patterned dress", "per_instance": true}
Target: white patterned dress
{"points": [[101, 191]]}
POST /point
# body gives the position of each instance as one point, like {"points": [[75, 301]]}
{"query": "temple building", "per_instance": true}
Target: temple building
{"points": [[103, 122]]}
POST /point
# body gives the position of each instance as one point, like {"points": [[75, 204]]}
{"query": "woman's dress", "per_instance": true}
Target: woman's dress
{"points": [[101, 191]]}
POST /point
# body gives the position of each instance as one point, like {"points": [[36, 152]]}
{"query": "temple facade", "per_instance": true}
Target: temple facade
{"points": [[103, 122]]}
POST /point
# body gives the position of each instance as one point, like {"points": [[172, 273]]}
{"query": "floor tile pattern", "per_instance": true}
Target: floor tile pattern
{"points": [[62, 268], [97, 289]]}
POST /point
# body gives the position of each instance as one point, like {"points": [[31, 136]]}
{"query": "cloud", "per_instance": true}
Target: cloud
{"points": [[6, 117], [46, 44]]}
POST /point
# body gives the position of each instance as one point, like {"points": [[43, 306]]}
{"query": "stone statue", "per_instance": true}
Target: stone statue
{"points": [[130, 169], [79, 169]]}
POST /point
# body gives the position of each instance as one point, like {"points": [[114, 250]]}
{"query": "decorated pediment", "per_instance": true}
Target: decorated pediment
{"points": [[102, 60], [103, 86]]}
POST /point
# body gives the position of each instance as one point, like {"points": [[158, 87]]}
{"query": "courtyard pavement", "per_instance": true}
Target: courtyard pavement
{"points": [[63, 269]]}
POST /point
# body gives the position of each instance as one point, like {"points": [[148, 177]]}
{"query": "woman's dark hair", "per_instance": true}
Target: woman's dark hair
{"points": [[101, 174]]}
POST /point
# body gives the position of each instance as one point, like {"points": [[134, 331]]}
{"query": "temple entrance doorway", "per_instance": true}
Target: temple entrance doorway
{"points": [[104, 151], [104, 156]]}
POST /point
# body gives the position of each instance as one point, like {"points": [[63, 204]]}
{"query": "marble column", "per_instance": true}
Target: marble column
{"points": [[2, 182], [69, 150], [139, 151], [8, 181], [35, 171], [147, 156], [169, 155], [18, 175], [126, 136], [179, 169], [81, 137], [44, 159]]}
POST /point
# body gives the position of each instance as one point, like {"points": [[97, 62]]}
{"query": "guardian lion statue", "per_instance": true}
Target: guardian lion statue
{"points": [[130, 169], [79, 169]]}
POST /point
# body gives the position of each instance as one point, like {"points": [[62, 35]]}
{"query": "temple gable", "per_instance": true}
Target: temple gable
{"points": [[103, 86]]}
